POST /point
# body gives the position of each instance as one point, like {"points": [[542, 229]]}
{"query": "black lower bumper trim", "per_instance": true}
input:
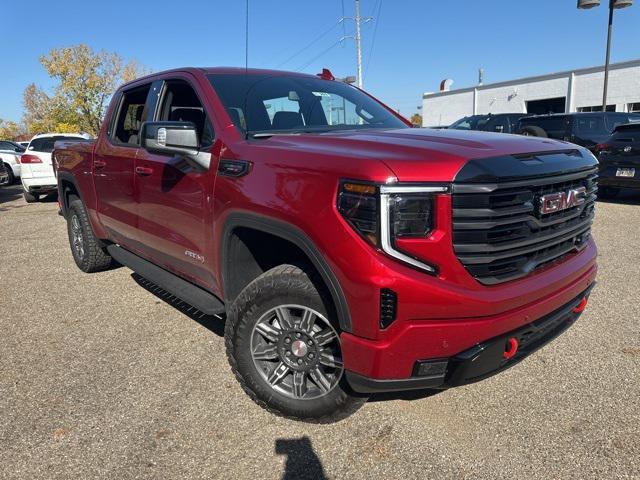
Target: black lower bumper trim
{"points": [[484, 359]]}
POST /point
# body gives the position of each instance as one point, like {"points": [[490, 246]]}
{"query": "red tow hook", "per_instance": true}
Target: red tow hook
{"points": [[510, 348], [581, 306]]}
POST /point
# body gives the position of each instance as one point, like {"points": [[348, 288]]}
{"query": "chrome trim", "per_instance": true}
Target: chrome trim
{"points": [[413, 189], [385, 226]]}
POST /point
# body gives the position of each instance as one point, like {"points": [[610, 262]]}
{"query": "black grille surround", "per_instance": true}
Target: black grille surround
{"points": [[499, 233]]}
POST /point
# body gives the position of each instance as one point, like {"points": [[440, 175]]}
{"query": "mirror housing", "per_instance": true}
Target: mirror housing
{"points": [[174, 138]]}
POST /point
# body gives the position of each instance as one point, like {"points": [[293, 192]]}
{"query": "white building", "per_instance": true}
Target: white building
{"points": [[572, 91]]}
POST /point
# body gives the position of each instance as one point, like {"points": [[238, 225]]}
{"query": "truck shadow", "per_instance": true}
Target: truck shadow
{"points": [[408, 395], [301, 462], [9, 193], [214, 323], [625, 197]]}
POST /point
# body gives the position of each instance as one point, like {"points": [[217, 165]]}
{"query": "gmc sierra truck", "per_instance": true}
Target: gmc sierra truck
{"points": [[348, 252]]}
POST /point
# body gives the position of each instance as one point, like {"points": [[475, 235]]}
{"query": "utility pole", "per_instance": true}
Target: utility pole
{"points": [[608, 59], [358, 48]]}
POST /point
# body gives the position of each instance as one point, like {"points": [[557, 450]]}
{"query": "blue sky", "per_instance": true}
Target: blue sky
{"points": [[417, 42]]}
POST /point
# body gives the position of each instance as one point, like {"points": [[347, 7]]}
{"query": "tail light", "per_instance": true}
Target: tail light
{"points": [[602, 148], [382, 214], [26, 158]]}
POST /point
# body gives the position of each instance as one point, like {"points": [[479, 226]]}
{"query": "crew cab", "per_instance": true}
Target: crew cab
{"points": [[349, 253]]}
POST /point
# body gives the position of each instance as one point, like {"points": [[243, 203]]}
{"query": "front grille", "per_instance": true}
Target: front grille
{"points": [[499, 234]]}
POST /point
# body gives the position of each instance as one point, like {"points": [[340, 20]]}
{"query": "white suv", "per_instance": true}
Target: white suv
{"points": [[36, 169]]}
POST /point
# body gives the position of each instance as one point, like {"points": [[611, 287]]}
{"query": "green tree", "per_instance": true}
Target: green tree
{"points": [[86, 81]]}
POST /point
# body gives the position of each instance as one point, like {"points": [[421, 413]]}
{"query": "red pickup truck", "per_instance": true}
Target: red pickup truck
{"points": [[349, 252]]}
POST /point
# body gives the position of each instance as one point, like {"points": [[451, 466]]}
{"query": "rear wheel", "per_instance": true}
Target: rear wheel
{"points": [[85, 247], [12, 177], [30, 197], [285, 350]]}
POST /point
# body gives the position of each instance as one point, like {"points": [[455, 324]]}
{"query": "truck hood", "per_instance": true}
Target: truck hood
{"points": [[417, 154]]}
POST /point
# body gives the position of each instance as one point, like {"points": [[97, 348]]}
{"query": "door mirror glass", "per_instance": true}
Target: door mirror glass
{"points": [[175, 138]]}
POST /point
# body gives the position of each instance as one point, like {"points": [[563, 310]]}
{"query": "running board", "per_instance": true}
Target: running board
{"points": [[201, 299]]}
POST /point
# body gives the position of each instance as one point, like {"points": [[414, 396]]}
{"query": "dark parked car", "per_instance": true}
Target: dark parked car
{"points": [[499, 122], [585, 129], [619, 160]]}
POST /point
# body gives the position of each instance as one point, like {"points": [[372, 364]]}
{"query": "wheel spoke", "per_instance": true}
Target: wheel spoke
{"points": [[268, 331], [308, 320], [284, 319], [325, 337], [266, 352], [278, 374], [299, 384], [326, 358], [320, 379]]}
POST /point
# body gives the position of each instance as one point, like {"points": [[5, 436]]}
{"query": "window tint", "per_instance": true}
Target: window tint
{"points": [[590, 125], [298, 103], [45, 144], [181, 104], [130, 116], [474, 122], [552, 123]]}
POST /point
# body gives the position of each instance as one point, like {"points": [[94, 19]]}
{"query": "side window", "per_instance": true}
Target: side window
{"points": [[181, 104], [497, 124], [130, 116]]}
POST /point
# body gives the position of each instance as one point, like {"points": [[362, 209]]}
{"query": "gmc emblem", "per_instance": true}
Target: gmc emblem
{"points": [[556, 202]]}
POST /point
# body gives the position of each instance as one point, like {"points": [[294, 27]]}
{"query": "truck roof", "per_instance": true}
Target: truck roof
{"points": [[221, 70]]}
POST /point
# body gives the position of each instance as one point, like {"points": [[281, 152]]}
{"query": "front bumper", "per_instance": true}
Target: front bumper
{"points": [[482, 360]]}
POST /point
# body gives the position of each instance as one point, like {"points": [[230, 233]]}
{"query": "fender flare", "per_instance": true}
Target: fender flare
{"points": [[296, 236], [67, 177]]}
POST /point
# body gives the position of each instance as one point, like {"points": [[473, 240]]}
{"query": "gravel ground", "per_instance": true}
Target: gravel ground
{"points": [[100, 377]]}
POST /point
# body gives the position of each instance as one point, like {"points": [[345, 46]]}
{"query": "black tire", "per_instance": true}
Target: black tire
{"points": [[85, 247], [533, 131], [608, 192], [30, 197], [285, 285], [12, 177]]}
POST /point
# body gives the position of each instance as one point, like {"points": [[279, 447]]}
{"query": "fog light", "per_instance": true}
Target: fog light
{"points": [[430, 368]]}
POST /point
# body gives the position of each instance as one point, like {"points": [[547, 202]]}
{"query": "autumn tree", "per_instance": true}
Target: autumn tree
{"points": [[86, 81], [416, 119], [10, 130]]}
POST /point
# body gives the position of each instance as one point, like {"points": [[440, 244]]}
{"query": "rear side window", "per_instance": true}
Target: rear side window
{"points": [[590, 125], [130, 116], [45, 144]]}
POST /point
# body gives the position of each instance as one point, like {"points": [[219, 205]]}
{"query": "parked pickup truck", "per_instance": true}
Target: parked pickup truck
{"points": [[349, 252]]}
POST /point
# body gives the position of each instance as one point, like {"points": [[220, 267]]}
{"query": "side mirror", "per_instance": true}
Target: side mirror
{"points": [[174, 138]]}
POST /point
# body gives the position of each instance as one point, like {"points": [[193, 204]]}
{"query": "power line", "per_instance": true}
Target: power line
{"points": [[373, 40], [310, 44], [319, 55]]}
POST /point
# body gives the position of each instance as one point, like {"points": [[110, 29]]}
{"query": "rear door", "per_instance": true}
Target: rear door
{"points": [[175, 201], [114, 163]]}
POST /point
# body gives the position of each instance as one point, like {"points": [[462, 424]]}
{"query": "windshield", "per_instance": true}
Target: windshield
{"points": [[292, 104], [475, 122]]}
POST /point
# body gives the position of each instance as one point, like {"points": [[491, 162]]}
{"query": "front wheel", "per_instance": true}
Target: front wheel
{"points": [[284, 348], [12, 178]]}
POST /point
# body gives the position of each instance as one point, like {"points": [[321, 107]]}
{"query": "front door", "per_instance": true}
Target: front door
{"points": [[174, 200], [113, 168]]}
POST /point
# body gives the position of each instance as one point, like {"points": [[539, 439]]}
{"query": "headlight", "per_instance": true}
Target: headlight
{"points": [[383, 214], [411, 215]]}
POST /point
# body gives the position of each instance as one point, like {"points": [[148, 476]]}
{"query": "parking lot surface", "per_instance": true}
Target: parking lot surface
{"points": [[103, 376]]}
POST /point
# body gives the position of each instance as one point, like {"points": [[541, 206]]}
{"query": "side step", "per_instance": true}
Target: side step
{"points": [[204, 301]]}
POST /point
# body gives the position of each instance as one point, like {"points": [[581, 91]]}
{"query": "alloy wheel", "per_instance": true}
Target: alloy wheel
{"points": [[297, 352], [77, 238]]}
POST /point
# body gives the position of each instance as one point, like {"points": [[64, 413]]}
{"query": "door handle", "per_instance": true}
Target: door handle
{"points": [[99, 164], [144, 171]]}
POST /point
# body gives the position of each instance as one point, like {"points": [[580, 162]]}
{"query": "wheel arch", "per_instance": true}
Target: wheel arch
{"points": [[238, 269]]}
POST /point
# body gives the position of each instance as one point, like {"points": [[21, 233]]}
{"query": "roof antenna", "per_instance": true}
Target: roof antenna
{"points": [[246, 45]]}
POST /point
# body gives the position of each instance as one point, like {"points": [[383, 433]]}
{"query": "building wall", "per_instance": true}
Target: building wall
{"points": [[582, 88]]}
